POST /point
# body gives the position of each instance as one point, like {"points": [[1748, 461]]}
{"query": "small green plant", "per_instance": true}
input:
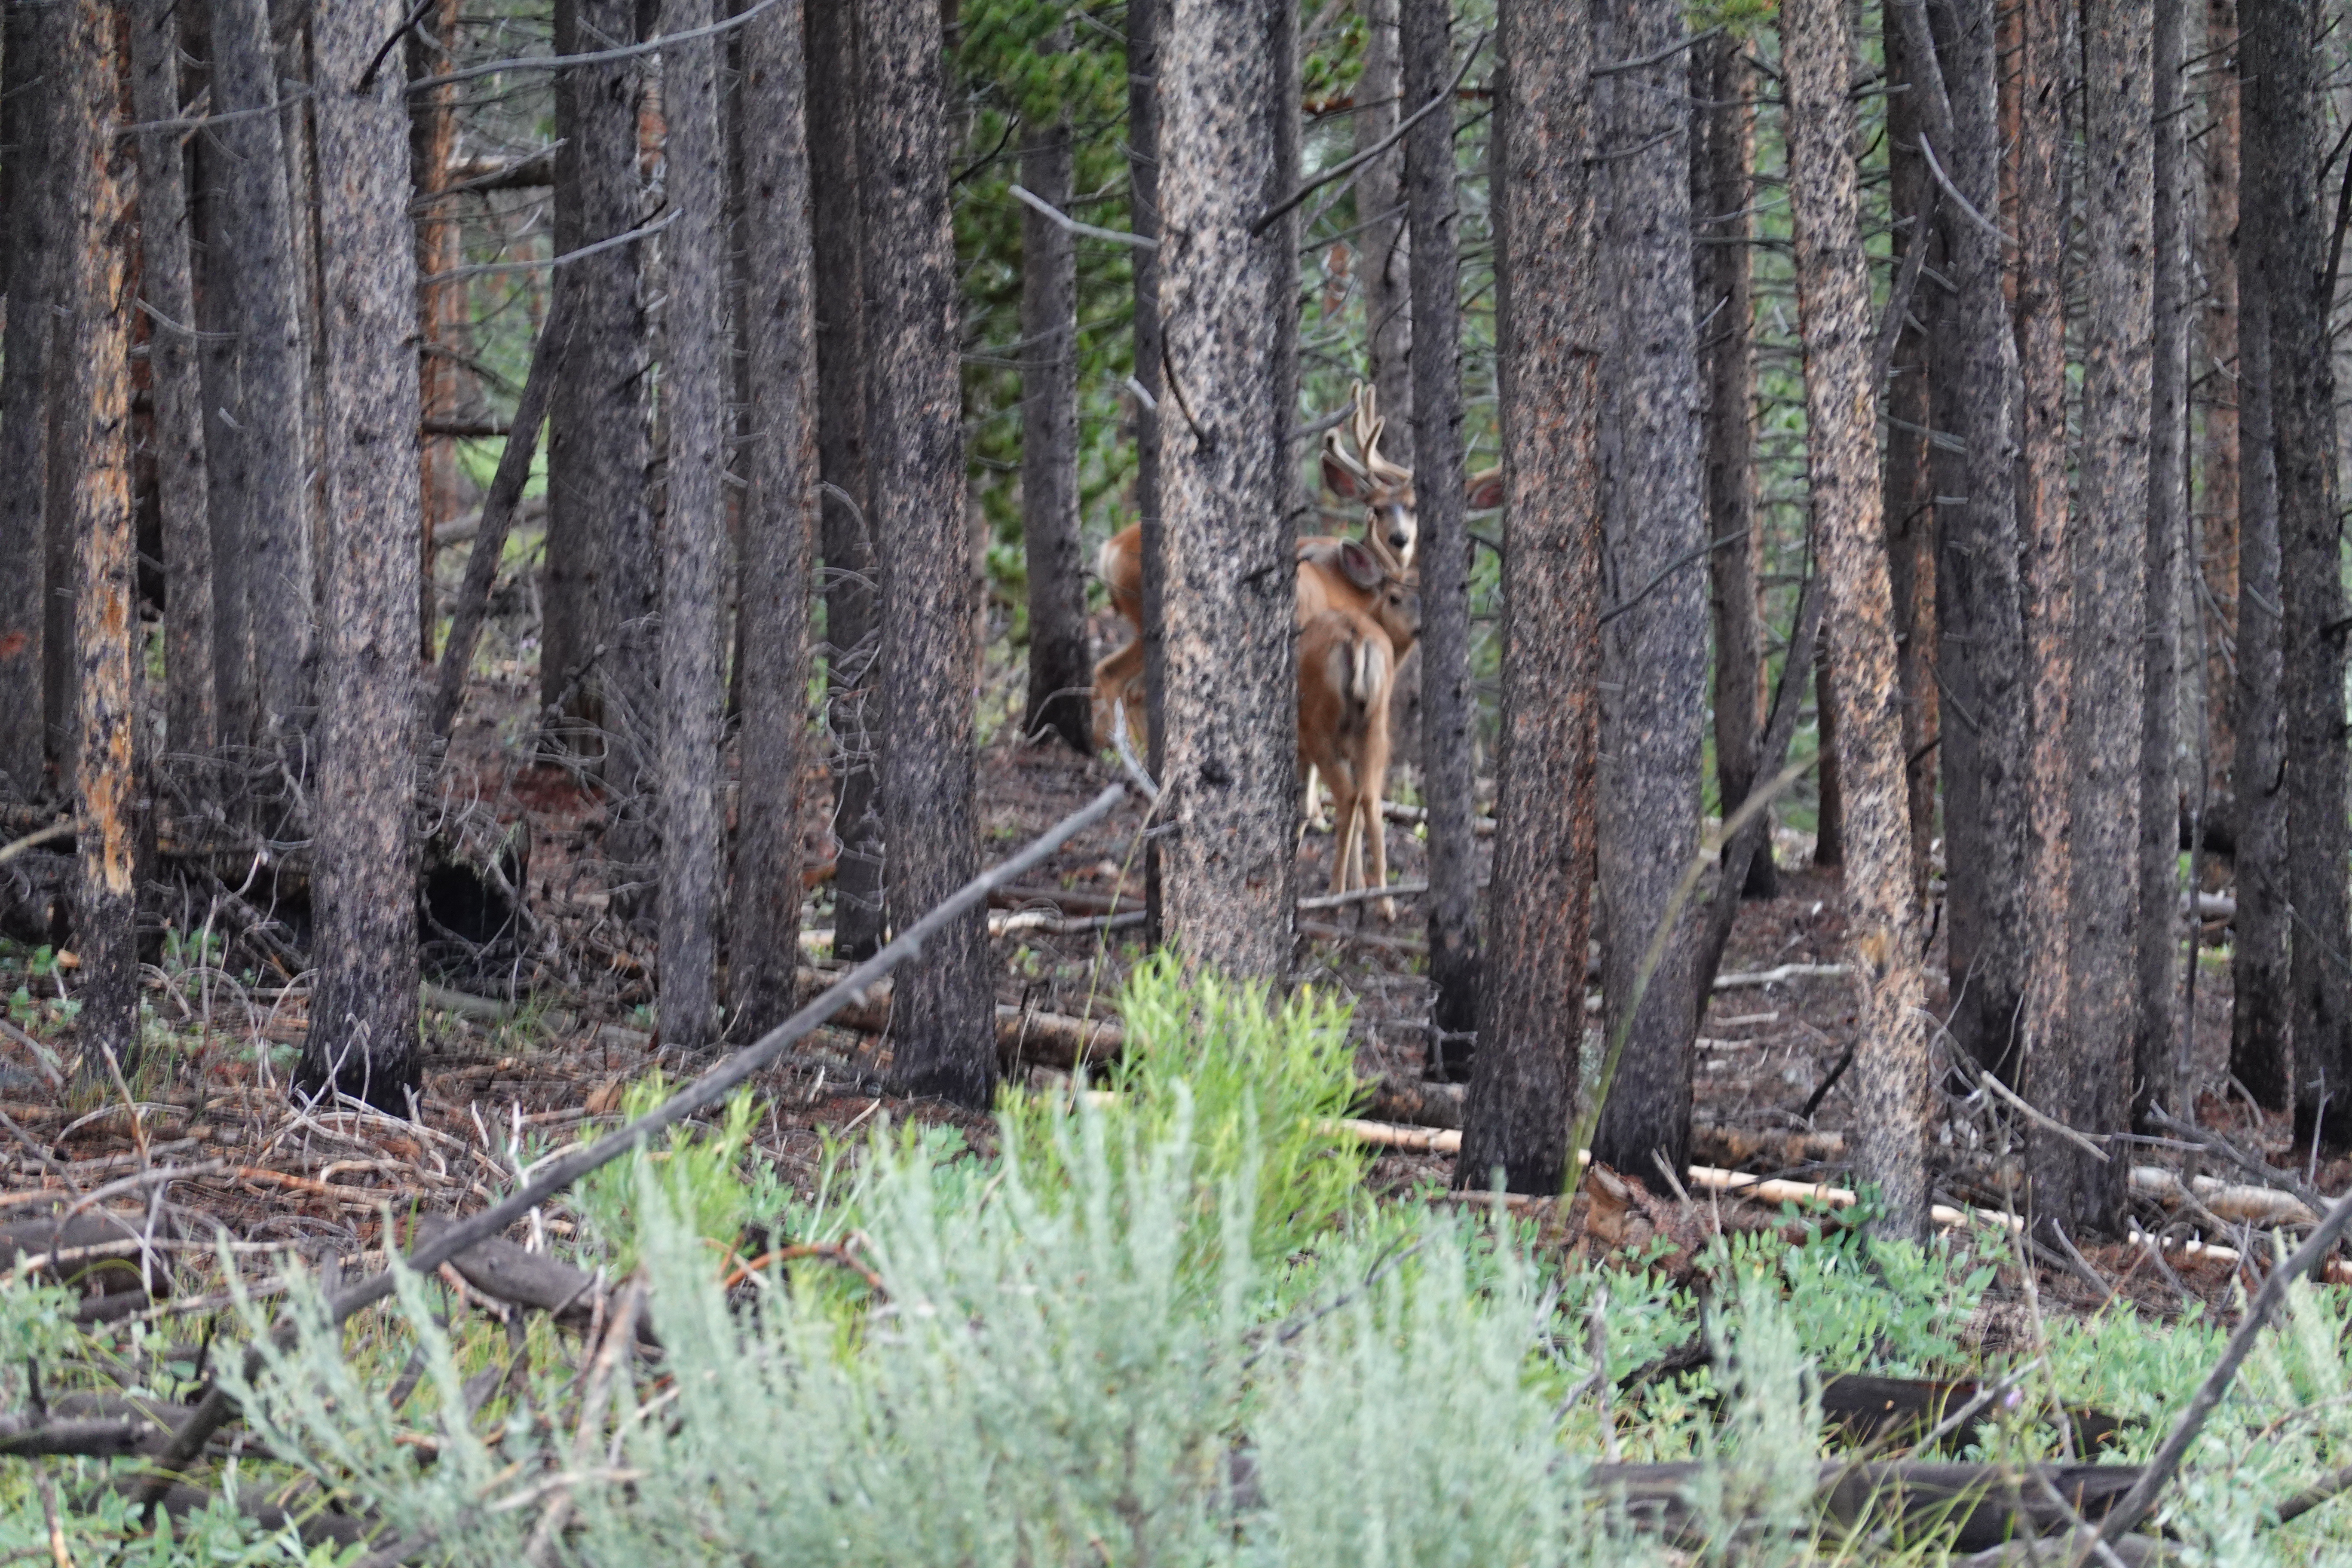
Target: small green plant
{"points": [[695, 1173]]}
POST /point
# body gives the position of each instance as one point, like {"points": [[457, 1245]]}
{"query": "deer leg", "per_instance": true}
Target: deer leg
{"points": [[1347, 837], [1119, 677], [1374, 779]]}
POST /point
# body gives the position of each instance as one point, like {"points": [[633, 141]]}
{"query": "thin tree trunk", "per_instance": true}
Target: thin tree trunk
{"points": [[179, 392], [779, 519], [1828, 816], [1723, 154], [1061, 672], [1654, 653], [852, 568], [1442, 552], [1910, 505], [1230, 691], [364, 1004], [432, 135], [2221, 437], [2311, 563], [1891, 1076], [945, 1044], [1143, 30], [1386, 266], [1980, 647], [2156, 1069], [33, 42], [264, 369], [91, 424], [1523, 1090]]}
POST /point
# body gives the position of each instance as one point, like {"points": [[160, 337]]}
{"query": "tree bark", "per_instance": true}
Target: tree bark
{"points": [[91, 427], [1654, 653], [257, 436], [2221, 437], [1143, 33], [1549, 331], [946, 1045], [1231, 693], [1061, 668], [779, 519], [2157, 1069], [1828, 816], [1723, 154], [1892, 1094], [1909, 508], [1281, 106], [694, 532], [33, 108], [1385, 269], [852, 568], [1449, 709], [2311, 565], [180, 475], [364, 1004]]}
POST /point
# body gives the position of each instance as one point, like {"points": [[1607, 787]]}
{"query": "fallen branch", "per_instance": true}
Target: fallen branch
{"points": [[2245, 1205], [1743, 980]]}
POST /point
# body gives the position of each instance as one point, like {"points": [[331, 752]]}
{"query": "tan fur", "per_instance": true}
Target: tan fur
{"points": [[1347, 670]]}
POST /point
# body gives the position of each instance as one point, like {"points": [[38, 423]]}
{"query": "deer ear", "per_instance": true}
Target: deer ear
{"points": [[1486, 491], [1342, 477], [1358, 564]]}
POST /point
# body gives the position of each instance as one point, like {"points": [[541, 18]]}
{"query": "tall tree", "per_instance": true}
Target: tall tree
{"points": [[1060, 673], [1723, 153], [2219, 437], [1442, 552], [852, 568], [1654, 651], [363, 1036], [169, 296], [2156, 1067], [28, 99], [780, 519], [1979, 618], [1385, 269], [1143, 33], [90, 457], [2293, 249], [1230, 691], [942, 1015], [1549, 331], [257, 436], [1891, 1088], [694, 529]]}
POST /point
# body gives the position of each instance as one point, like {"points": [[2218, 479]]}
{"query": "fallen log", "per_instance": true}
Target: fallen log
{"points": [[2242, 1204], [509, 1272]]}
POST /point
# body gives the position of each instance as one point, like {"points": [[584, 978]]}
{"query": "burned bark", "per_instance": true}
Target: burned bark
{"points": [[1909, 508], [2221, 436], [1061, 667], [28, 99]]}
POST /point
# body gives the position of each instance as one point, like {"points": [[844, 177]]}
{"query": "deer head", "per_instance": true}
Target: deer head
{"points": [[1384, 489]]}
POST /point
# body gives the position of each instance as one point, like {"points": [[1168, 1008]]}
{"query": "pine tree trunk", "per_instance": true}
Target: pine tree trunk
{"points": [[1061, 672], [34, 39], [1385, 264], [945, 1040], [694, 532], [1143, 31], [1442, 554], [2279, 37], [1909, 507], [180, 473], [1230, 691], [2220, 441], [1723, 153], [2157, 1069], [90, 457], [264, 370], [779, 522], [1980, 645], [1522, 1093], [1654, 653], [1891, 1096], [364, 1004], [1829, 816], [432, 135]]}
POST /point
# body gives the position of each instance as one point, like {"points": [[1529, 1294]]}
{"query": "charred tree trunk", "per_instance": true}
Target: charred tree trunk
{"points": [[694, 534], [363, 1006], [1385, 269], [1231, 694], [1143, 30], [1828, 816], [91, 424], [1548, 331], [2157, 1070], [779, 519], [180, 476], [2311, 563], [1723, 154], [1892, 1091], [2221, 436], [1061, 672], [852, 568], [1654, 650], [945, 1039], [33, 109], [1909, 510], [1449, 709]]}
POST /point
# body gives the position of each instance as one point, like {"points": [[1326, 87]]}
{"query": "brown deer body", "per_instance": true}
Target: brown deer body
{"points": [[1347, 670]]}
